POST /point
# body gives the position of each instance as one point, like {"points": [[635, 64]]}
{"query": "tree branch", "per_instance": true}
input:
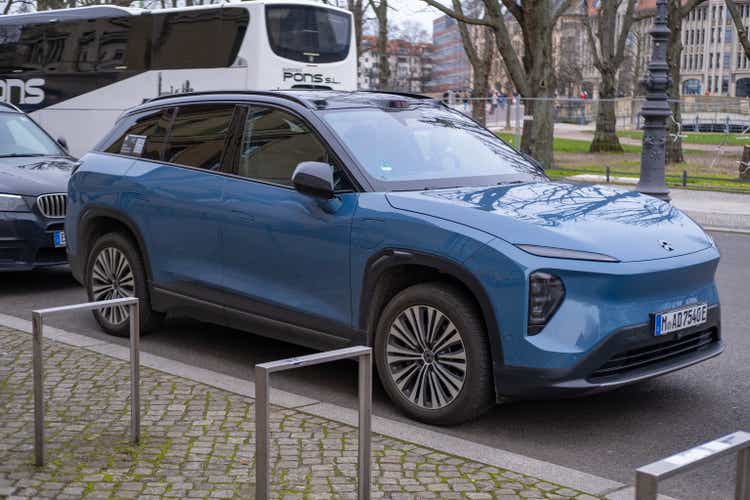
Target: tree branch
{"points": [[689, 6], [455, 15], [739, 26]]}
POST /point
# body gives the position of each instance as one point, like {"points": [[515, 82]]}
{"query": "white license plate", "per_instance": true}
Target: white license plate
{"points": [[59, 238], [680, 319]]}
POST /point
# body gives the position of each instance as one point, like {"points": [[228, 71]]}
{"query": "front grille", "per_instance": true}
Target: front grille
{"points": [[653, 354], [53, 206]]}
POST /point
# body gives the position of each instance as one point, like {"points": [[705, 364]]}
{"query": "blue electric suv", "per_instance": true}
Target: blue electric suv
{"points": [[336, 218]]}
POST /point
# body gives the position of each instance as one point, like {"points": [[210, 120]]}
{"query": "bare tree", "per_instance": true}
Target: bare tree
{"points": [[412, 31], [677, 11], [741, 31], [532, 72], [480, 60], [608, 50], [380, 7]]}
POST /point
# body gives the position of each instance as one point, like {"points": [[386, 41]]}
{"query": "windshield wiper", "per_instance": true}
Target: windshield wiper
{"points": [[21, 155]]}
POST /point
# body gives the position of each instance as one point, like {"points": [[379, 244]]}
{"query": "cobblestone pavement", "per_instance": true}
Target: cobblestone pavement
{"points": [[197, 442]]}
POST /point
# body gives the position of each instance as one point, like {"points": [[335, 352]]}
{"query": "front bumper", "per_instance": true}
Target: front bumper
{"points": [[27, 242], [627, 356]]}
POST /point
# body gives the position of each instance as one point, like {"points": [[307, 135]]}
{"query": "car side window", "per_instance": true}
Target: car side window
{"points": [[274, 142], [146, 137], [199, 134]]}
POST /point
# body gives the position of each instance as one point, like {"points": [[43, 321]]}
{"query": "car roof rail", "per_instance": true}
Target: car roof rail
{"points": [[266, 93], [401, 94], [11, 106]]}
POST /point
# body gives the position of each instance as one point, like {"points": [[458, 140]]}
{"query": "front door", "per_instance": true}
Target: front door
{"points": [[286, 254]]}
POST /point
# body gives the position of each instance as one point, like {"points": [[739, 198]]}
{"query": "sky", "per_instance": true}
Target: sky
{"points": [[413, 10]]}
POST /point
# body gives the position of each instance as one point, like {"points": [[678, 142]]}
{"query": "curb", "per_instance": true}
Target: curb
{"points": [[564, 476]]}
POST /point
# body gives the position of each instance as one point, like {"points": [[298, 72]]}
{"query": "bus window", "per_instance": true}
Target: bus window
{"points": [[308, 34], [234, 23], [9, 36], [30, 49], [123, 43], [71, 47], [176, 31]]}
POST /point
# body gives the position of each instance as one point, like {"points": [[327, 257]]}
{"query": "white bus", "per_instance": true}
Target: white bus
{"points": [[76, 70]]}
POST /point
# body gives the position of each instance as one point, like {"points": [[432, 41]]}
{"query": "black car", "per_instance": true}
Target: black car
{"points": [[34, 173]]}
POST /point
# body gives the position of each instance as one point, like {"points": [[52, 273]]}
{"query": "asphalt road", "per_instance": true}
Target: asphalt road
{"points": [[609, 435]]}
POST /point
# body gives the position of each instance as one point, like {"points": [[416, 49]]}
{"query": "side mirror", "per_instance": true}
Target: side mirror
{"points": [[62, 142], [314, 178]]}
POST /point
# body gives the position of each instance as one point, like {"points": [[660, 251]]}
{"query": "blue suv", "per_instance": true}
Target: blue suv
{"points": [[336, 218]]}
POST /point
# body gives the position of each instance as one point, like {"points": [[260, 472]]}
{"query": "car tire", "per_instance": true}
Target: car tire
{"points": [[456, 368], [115, 269]]}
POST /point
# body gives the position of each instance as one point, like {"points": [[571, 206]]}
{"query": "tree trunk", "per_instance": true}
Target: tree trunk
{"points": [[674, 53], [538, 133], [384, 68], [358, 13], [605, 136]]}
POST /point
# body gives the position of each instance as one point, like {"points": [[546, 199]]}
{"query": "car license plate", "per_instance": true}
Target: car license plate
{"points": [[59, 237], [680, 319]]}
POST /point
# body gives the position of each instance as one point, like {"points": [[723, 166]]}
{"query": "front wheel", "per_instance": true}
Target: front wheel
{"points": [[114, 271], [433, 355]]}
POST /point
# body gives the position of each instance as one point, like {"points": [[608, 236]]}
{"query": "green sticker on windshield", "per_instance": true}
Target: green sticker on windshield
{"points": [[385, 167]]}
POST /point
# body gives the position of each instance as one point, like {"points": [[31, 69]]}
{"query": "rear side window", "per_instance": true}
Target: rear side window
{"points": [[199, 134], [146, 137]]}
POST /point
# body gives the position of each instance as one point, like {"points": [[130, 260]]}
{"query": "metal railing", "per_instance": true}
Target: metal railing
{"points": [[37, 321], [262, 387], [647, 478]]}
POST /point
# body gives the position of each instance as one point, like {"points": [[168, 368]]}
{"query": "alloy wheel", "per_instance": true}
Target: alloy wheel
{"points": [[426, 357], [112, 278]]}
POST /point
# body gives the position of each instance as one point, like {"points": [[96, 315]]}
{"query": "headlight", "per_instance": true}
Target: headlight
{"points": [[546, 293], [562, 253], [12, 203]]}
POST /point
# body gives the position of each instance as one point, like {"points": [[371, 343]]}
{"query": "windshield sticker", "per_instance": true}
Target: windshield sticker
{"points": [[386, 168], [133, 145]]}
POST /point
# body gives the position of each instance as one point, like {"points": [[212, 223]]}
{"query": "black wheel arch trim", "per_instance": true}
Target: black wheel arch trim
{"points": [[388, 258], [84, 244]]}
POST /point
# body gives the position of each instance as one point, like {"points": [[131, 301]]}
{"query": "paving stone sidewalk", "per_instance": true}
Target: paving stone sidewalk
{"points": [[198, 442]]}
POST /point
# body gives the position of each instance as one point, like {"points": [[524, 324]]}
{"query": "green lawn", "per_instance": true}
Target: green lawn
{"points": [[569, 145], [718, 182], [696, 137]]}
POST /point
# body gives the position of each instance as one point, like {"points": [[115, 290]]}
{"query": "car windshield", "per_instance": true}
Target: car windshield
{"points": [[20, 136], [427, 146]]}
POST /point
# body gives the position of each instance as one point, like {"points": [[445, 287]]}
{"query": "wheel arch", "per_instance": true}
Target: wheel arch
{"points": [[97, 221], [392, 270]]}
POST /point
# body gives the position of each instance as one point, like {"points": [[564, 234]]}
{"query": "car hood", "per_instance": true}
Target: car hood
{"points": [[623, 224], [35, 175]]}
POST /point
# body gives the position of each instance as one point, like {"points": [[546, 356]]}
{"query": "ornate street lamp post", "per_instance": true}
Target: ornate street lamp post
{"points": [[656, 111]]}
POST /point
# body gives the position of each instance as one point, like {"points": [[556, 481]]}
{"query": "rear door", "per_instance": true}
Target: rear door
{"points": [[178, 195], [286, 254]]}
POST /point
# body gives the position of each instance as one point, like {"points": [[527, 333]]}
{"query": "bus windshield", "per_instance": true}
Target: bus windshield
{"points": [[309, 34]]}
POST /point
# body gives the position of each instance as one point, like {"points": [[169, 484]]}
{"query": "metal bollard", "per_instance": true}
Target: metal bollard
{"points": [[37, 322], [647, 477], [262, 412]]}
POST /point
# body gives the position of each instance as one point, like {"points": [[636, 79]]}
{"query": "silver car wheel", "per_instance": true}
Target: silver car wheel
{"points": [[112, 278], [426, 357]]}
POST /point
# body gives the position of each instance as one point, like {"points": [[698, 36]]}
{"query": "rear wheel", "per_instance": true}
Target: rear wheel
{"points": [[115, 270], [433, 355]]}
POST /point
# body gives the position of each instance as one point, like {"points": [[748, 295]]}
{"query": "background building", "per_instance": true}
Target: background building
{"points": [[410, 65]]}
